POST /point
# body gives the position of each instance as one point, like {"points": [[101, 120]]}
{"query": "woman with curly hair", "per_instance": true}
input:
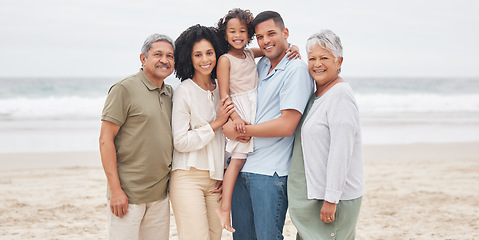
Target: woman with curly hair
{"points": [[197, 117]]}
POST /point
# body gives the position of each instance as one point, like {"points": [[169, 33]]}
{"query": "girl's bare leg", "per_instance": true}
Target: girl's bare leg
{"points": [[229, 180]]}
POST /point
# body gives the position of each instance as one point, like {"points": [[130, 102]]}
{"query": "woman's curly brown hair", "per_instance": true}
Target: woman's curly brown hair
{"points": [[184, 46]]}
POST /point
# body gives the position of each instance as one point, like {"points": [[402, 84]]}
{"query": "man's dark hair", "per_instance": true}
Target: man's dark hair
{"points": [[267, 15]]}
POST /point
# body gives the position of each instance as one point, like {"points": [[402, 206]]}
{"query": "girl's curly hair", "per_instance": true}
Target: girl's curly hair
{"points": [[245, 16], [184, 46]]}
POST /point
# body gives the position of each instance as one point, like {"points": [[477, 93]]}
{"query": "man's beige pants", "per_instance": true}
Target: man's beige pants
{"points": [[142, 222]]}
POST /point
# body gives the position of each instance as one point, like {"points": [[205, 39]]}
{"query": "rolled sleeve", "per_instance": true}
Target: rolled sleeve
{"points": [[116, 105]]}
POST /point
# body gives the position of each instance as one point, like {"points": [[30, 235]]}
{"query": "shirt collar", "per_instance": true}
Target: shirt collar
{"points": [[151, 86], [281, 65]]}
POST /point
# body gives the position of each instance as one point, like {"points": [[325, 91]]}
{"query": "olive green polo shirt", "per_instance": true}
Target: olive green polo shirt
{"points": [[144, 143]]}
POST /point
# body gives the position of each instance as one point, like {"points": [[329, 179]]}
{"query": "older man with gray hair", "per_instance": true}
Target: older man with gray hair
{"points": [[136, 146]]}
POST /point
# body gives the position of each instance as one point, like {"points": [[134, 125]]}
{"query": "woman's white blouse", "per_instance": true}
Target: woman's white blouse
{"points": [[195, 143], [332, 147]]}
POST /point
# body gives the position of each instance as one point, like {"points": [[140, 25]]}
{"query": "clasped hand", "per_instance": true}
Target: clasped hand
{"points": [[229, 130]]}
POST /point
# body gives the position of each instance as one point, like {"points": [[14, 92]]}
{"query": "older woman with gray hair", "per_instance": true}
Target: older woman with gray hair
{"points": [[326, 179]]}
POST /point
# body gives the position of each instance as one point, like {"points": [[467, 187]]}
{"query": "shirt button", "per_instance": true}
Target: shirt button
{"points": [[332, 234]]}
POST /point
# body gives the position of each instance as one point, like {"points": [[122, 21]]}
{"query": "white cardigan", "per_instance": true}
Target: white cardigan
{"points": [[195, 143], [332, 147]]}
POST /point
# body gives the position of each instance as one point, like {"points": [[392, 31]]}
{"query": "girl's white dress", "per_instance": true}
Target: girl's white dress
{"points": [[243, 81]]}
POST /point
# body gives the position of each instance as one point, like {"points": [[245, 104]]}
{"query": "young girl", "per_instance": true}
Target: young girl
{"points": [[237, 78], [197, 117]]}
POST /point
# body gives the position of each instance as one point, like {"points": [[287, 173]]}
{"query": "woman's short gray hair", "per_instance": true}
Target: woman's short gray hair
{"points": [[155, 38], [327, 40]]}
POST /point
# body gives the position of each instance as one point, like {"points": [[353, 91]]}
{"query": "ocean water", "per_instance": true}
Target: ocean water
{"points": [[63, 114]]}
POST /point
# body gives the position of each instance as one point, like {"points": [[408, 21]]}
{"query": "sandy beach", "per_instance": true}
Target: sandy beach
{"points": [[413, 191]]}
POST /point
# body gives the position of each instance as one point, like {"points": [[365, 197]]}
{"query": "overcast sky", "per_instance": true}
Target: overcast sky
{"points": [[102, 38]]}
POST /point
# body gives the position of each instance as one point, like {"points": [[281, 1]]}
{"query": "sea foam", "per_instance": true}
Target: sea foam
{"points": [[51, 108]]}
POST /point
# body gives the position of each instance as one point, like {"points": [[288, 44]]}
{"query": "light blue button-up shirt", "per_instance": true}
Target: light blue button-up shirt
{"points": [[287, 86]]}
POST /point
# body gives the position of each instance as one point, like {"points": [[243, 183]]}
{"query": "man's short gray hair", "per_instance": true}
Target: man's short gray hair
{"points": [[155, 38], [327, 40]]}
